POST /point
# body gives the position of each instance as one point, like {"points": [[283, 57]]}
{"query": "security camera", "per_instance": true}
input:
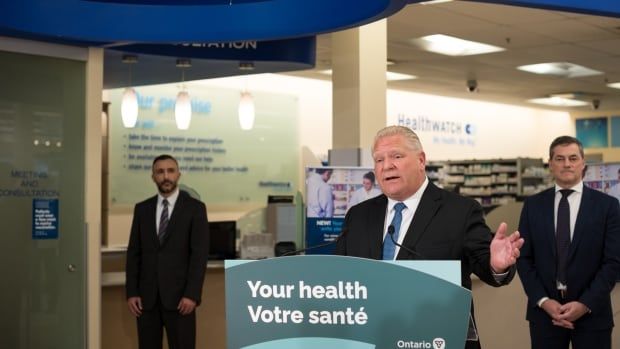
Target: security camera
{"points": [[596, 103], [472, 85]]}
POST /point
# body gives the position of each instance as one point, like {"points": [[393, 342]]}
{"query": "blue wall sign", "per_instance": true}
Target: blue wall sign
{"points": [[44, 219]]}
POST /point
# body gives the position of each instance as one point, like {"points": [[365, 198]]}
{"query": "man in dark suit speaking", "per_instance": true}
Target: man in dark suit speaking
{"points": [[571, 258], [430, 223], [166, 261]]}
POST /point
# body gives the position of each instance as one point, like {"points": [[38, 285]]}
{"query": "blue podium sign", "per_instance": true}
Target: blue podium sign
{"points": [[345, 302]]}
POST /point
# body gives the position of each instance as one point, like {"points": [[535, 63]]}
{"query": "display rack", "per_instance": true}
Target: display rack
{"points": [[435, 172], [492, 182]]}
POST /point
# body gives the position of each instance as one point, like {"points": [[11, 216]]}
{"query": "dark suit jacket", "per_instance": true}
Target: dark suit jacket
{"points": [[593, 261], [445, 226], [174, 268]]}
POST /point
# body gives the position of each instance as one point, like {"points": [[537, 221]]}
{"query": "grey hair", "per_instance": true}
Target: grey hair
{"points": [[412, 139]]}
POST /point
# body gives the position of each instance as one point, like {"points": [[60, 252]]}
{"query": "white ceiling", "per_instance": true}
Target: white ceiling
{"points": [[529, 35]]}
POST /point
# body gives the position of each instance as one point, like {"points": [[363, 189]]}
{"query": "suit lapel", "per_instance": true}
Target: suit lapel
{"points": [[581, 223], [376, 222], [150, 224], [548, 215], [429, 204]]}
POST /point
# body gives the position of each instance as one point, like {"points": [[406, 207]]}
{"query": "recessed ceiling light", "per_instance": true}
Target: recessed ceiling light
{"points": [[390, 76], [614, 84], [451, 46], [558, 102], [563, 69], [433, 2]]}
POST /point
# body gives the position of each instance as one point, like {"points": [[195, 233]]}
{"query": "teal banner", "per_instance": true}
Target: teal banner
{"points": [[345, 302]]}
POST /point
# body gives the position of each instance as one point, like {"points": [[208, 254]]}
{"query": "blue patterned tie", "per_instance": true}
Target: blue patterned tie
{"points": [[163, 221], [388, 245], [562, 233]]}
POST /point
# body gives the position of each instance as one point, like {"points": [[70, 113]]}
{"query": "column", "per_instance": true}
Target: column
{"points": [[359, 58]]}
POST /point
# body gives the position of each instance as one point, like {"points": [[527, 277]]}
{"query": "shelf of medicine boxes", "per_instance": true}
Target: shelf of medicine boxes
{"points": [[535, 178], [495, 181], [435, 173]]}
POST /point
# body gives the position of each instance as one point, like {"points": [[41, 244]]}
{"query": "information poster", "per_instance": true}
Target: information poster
{"points": [[604, 177], [330, 193], [44, 219], [219, 162]]}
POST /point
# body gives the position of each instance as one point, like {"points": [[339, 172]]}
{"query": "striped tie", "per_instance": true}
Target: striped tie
{"points": [[163, 221]]}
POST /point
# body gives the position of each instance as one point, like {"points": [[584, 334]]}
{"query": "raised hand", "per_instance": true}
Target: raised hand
{"points": [[505, 249]]}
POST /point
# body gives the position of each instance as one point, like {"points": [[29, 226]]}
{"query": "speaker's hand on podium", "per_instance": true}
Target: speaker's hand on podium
{"points": [[505, 249]]}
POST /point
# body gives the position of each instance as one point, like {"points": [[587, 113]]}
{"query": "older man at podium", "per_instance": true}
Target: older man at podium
{"points": [[414, 219]]}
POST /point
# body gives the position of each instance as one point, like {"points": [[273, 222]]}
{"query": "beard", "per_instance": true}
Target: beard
{"points": [[166, 190]]}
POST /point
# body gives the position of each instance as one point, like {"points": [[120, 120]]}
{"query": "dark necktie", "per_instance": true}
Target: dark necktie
{"points": [[163, 221], [389, 247], [562, 234]]}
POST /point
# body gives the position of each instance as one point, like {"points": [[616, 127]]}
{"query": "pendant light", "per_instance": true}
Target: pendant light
{"points": [[183, 104], [129, 102], [246, 111]]}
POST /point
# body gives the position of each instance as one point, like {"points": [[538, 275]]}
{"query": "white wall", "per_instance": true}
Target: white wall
{"points": [[500, 130]]}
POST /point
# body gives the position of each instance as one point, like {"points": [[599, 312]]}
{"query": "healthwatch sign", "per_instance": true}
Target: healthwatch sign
{"points": [[306, 302], [454, 132]]}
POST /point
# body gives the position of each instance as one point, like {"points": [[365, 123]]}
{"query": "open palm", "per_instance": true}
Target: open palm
{"points": [[505, 249]]}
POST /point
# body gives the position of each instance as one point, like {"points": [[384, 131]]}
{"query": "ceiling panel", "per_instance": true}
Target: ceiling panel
{"points": [[534, 36]]}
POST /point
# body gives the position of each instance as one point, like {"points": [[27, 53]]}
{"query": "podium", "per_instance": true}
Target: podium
{"points": [[303, 302]]}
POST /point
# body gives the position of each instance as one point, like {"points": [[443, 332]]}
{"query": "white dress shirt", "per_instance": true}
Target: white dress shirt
{"points": [[574, 201], [412, 204]]}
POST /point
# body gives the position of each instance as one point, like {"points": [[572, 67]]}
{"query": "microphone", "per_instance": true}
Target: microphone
{"points": [[391, 234], [325, 244]]}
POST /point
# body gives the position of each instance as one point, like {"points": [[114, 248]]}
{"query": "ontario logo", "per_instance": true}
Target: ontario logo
{"points": [[437, 343]]}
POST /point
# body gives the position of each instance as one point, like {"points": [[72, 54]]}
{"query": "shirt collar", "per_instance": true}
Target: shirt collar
{"points": [[577, 187], [410, 201], [172, 199]]}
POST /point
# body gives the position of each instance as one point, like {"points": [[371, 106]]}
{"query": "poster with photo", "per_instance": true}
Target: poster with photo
{"points": [[330, 192], [604, 177]]}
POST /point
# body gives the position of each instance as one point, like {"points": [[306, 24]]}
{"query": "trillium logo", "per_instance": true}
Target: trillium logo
{"points": [[439, 343]]}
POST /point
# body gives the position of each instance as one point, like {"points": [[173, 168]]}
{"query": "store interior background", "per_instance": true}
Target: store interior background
{"points": [[507, 127]]}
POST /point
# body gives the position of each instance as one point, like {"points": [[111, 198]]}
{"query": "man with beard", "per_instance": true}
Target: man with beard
{"points": [[166, 261]]}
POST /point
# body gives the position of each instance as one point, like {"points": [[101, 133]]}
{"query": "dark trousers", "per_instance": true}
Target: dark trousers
{"points": [[180, 329], [548, 336]]}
